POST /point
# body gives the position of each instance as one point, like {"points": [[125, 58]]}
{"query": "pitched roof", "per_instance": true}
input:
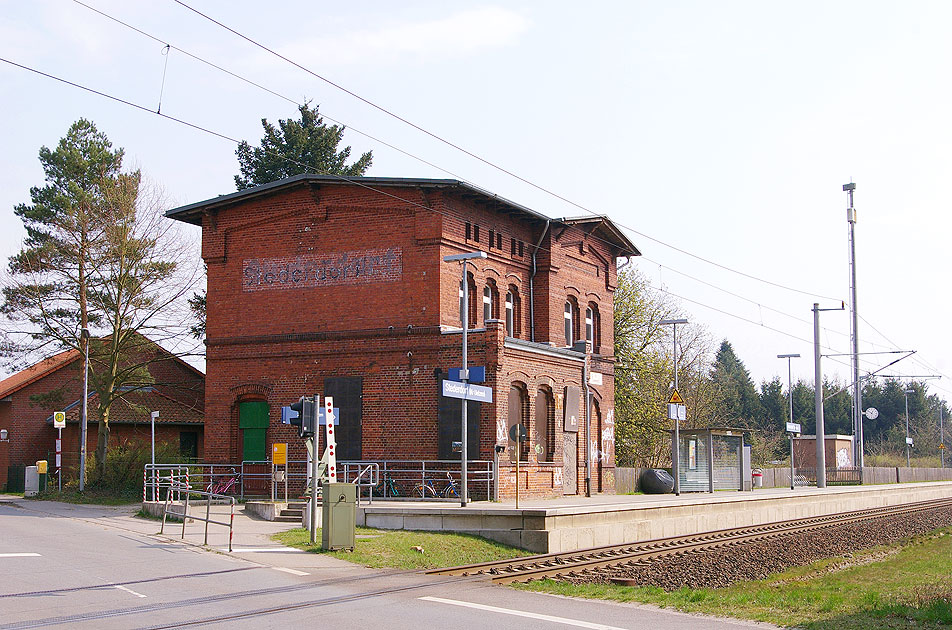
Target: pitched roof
{"points": [[192, 213], [135, 407], [21, 379]]}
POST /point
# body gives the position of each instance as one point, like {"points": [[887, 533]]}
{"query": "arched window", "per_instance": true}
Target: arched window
{"points": [[571, 318], [513, 312], [545, 424], [472, 301], [490, 301], [589, 326], [593, 332], [518, 414]]}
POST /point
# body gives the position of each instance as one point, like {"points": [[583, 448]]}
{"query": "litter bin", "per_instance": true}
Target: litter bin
{"points": [[31, 482], [758, 478], [41, 470], [338, 515]]}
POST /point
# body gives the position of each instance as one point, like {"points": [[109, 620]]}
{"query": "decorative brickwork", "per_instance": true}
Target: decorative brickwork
{"points": [[395, 325]]}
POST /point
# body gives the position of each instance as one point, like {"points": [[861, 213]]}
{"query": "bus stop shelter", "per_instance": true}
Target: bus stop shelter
{"points": [[711, 459]]}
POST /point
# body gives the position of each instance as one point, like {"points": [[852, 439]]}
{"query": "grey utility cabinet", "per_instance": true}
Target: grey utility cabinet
{"points": [[338, 515]]}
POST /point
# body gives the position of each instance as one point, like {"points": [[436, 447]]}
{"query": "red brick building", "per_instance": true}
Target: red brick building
{"points": [[337, 286], [29, 398]]}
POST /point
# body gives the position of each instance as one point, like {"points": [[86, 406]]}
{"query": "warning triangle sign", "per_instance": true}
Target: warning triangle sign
{"points": [[676, 398]]}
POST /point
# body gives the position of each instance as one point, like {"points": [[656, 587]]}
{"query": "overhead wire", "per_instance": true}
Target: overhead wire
{"points": [[262, 87], [233, 140], [342, 178], [486, 161]]}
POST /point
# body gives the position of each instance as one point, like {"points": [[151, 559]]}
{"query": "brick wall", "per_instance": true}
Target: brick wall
{"points": [[285, 312]]}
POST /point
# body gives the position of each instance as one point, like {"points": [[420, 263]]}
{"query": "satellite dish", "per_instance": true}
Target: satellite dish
{"points": [[872, 413]]}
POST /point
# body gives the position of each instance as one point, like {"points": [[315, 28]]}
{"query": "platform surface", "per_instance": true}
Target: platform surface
{"points": [[578, 522]]}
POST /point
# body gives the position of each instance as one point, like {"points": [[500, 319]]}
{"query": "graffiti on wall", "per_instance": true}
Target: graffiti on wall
{"points": [[317, 270], [607, 450]]}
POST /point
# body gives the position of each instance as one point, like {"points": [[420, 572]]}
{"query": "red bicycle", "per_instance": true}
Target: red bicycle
{"points": [[224, 486]]}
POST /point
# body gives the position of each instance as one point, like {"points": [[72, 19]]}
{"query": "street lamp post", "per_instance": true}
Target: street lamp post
{"points": [[153, 416], [788, 357], [905, 394], [941, 439], [84, 336], [464, 373], [854, 325], [676, 451]]}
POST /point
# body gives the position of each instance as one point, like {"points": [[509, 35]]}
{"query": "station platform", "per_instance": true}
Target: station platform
{"points": [[579, 522]]}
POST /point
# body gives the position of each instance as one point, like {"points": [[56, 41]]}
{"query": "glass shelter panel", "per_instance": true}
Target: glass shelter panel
{"points": [[727, 462], [694, 467]]}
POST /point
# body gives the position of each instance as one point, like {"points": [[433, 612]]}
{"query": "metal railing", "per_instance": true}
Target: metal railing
{"points": [[387, 479], [400, 477], [841, 476], [157, 477], [181, 488]]}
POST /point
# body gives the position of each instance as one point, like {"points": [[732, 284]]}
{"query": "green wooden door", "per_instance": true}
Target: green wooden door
{"points": [[253, 421]]}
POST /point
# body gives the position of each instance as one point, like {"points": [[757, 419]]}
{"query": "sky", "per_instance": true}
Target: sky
{"points": [[717, 135]]}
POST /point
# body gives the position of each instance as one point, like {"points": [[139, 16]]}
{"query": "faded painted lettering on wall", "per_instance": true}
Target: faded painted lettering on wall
{"points": [[362, 267]]}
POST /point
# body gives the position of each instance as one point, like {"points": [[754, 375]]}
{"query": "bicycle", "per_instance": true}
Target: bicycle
{"points": [[428, 489], [224, 486], [386, 488]]}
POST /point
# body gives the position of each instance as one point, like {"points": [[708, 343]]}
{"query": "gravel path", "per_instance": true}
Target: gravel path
{"points": [[757, 560]]}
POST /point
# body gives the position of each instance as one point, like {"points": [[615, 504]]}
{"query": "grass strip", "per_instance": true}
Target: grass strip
{"points": [[896, 586], [402, 549]]}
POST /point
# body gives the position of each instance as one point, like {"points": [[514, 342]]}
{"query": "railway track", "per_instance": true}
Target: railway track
{"points": [[576, 563]]}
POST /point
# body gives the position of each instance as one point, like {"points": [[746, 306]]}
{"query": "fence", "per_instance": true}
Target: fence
{"points": [[387, 479], [180, 487], [627, 479]]}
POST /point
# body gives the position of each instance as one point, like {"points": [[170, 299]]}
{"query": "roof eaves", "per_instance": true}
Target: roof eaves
{"points": [[191, 213]]}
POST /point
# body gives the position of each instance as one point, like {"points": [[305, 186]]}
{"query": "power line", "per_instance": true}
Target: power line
{"points": [[262, 87], [484, 160], [351, 181]]}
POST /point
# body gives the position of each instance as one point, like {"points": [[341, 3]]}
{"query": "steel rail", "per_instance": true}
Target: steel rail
{"points": [[552, 565]]}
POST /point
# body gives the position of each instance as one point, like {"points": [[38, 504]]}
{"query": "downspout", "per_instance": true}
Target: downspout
{"points": [[531, 278], [588, 427]]}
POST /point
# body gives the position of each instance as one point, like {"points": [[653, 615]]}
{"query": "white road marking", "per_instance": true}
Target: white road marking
{"points": [[129, 590], [264, 550], [291, 571], [521, 613], [19, 555]]}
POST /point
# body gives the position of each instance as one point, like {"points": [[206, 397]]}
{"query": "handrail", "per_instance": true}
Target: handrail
{"points": [[183, 487]]}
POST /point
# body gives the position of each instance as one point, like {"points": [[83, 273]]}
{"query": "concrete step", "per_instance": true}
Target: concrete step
{"points": [[288, 519]]}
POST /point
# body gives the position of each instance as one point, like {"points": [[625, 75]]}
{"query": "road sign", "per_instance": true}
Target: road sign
{"points": [[677, 412], [517, 433], [452, 389], [941, 445], [59, 419], [676, 398], [793, 427], [477, 374], [909, 441], [279, 454]]}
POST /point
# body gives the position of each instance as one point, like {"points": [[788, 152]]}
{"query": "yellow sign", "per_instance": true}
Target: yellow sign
{"points": [[676, 398], [59, 420], [941, 445], [279, 454]]}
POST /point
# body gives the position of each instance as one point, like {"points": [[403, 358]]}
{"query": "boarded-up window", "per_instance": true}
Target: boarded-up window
{"points": [[451, 427], [571, 409], [347, 392]]}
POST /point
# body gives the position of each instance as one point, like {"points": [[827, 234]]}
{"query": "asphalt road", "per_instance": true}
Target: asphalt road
{"points": [[100, 567]]}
